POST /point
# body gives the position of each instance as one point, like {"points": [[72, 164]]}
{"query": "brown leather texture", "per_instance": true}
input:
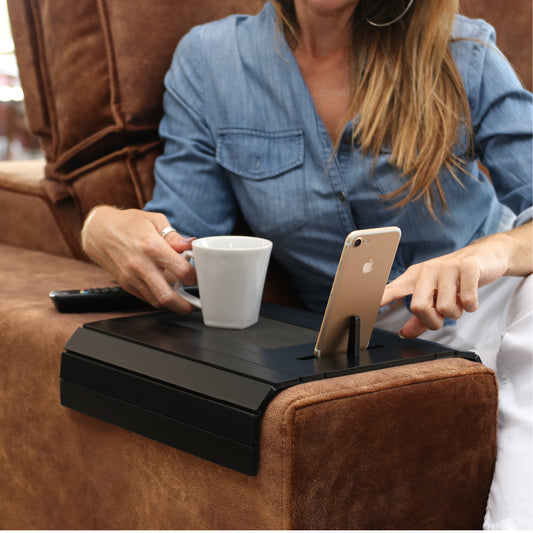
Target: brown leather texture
{"points": [[92, 74], [407, 447], [513, 24], [397, 441], [28, 217]]}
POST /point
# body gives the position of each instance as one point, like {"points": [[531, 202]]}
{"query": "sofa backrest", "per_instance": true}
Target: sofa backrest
{"points": [[512, 20], [92, 73]]}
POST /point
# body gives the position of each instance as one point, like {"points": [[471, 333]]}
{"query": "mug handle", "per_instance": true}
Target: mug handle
{"points": [[180, 289]]}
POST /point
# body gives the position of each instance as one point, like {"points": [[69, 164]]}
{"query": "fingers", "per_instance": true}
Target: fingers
{"points": [[163, 250], [128, 243], [446, 298], [468, 287], [425, 296], [163, 257], [441, 288], [401, 287], [171, 260], [178, 243], [149, 270], [405, 285], [158, 294], [412, 328]]}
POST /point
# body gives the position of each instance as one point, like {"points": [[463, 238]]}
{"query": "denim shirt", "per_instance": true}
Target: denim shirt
{"points": [[242, 134]]}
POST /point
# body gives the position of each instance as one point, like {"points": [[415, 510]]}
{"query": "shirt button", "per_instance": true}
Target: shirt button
{"points": [[341, 197]]}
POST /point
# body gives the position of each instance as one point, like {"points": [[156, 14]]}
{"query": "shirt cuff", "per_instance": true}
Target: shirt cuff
{"points": [[523, 217]]}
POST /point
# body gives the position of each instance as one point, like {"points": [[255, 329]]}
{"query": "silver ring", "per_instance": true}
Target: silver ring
{"points": [[167, 230]]}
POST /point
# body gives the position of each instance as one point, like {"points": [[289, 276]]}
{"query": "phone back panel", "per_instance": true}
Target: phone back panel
{"points": [[358, 287]]}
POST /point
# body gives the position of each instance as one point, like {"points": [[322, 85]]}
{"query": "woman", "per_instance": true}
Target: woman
{"points": [[317, 117]]}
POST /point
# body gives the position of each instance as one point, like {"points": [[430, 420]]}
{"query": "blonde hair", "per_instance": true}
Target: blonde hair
{"points": [[408, 93]]}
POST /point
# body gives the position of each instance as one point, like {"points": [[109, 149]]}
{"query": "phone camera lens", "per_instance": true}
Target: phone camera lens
{"points": [[357, 243]]}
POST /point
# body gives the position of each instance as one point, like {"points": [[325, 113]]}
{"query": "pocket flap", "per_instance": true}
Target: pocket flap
{"points": [[257, 154]]}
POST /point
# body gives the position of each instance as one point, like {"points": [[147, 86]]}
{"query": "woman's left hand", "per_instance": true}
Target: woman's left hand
{"points": [[446, 286]]}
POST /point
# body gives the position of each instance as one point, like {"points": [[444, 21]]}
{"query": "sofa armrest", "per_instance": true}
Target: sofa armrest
{"points": [[32, 214], [409, 447]]}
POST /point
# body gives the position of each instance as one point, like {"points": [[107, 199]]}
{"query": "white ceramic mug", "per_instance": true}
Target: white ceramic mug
{"points": [[231, 273]]}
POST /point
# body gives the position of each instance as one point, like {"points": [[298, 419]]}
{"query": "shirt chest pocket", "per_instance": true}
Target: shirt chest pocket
{"points": [[266, 173]]}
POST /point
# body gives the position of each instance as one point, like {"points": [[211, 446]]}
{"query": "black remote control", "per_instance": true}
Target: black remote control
{"points": [[97, 299]]}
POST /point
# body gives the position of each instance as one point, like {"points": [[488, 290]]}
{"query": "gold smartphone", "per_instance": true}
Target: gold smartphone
{"points": [[361, 277]]}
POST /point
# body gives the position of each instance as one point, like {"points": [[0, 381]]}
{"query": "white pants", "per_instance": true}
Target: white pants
{"points": [[501, 333]]}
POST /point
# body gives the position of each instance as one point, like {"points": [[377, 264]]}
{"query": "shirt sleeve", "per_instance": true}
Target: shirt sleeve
{"points": [[191, 189], [502, 119]]}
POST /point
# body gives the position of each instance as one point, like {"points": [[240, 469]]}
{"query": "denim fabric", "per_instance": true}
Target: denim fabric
{"points": [[242, 133]]}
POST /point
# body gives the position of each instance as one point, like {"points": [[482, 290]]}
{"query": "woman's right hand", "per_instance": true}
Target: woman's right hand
{"points": [[129, 245]]}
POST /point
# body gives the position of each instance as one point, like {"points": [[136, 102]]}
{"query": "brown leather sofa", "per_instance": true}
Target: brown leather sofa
{"points": [[410, 447]]}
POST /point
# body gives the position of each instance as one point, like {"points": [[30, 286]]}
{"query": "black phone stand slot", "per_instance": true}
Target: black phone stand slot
{"points": [[354, 338]]}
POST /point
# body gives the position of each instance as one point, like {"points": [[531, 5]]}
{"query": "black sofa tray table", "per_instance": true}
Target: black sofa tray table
{"points": [[204, 390]]}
